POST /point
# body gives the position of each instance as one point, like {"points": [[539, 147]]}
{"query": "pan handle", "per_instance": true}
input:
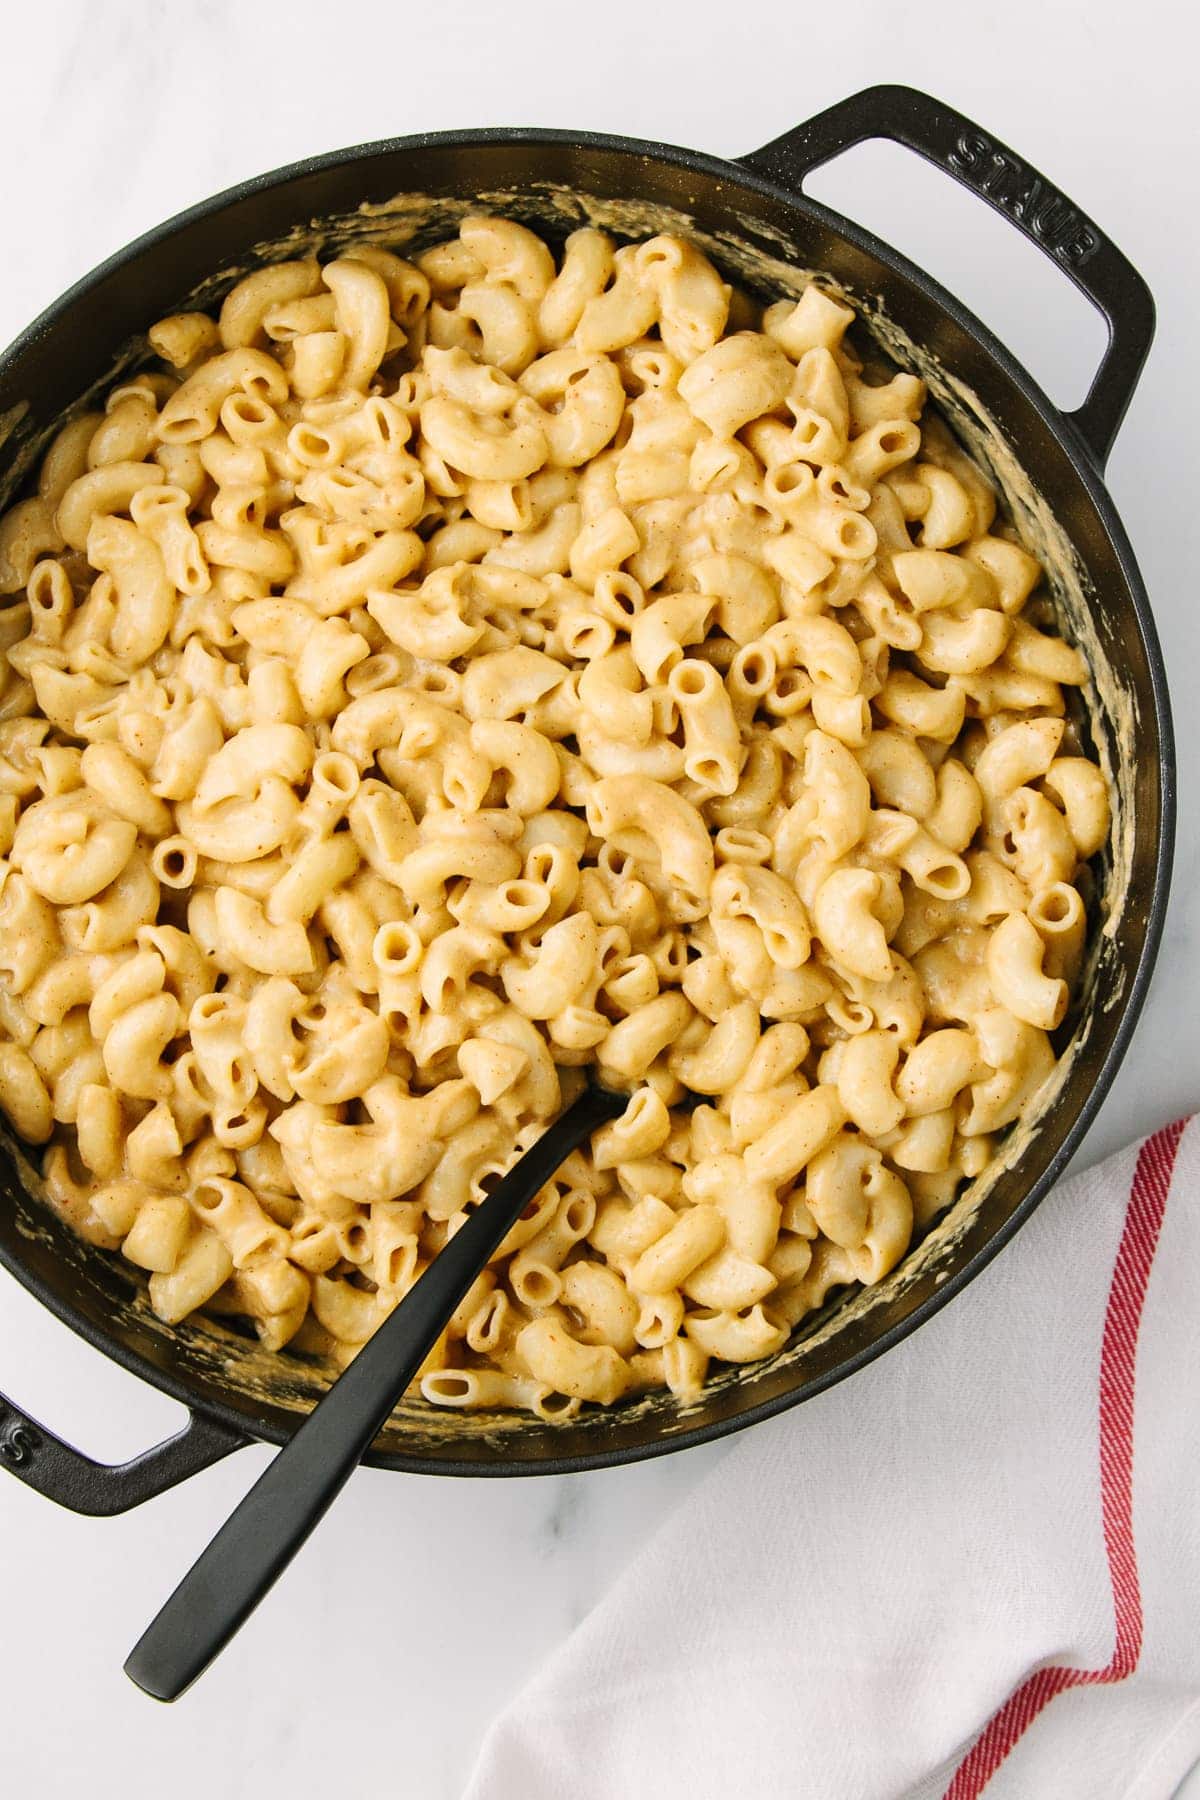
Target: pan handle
{"points": [[41, 1460], [1039, 210]]}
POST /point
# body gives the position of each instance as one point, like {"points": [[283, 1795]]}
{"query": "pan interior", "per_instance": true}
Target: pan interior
{"points": [[771, 249]]}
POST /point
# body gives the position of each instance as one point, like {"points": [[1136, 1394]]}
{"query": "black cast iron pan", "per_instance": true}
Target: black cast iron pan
{"points": [[744, 210]]}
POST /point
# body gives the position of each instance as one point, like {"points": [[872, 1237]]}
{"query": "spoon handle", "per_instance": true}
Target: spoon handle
{"points": [[260, 1538]]}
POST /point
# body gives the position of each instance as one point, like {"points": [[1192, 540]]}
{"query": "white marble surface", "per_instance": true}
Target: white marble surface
{"points": [[420, 1606]]}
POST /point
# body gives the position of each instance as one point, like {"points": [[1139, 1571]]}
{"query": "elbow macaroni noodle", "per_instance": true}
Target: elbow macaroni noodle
{"points": [[437, 678]]}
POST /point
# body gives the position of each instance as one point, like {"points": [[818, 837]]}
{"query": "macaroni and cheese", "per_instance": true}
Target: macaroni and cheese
{"points": [[432, 679]]}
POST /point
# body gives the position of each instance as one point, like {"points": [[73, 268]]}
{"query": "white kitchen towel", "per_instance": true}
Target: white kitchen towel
{"points": [[974, 1567]]}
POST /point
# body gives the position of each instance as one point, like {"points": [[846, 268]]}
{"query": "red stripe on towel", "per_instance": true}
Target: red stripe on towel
{"points": [[1131, 1272]]}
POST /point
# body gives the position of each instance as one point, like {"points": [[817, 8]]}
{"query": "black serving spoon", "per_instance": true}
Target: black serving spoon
{"points": [[260, 1538]]}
